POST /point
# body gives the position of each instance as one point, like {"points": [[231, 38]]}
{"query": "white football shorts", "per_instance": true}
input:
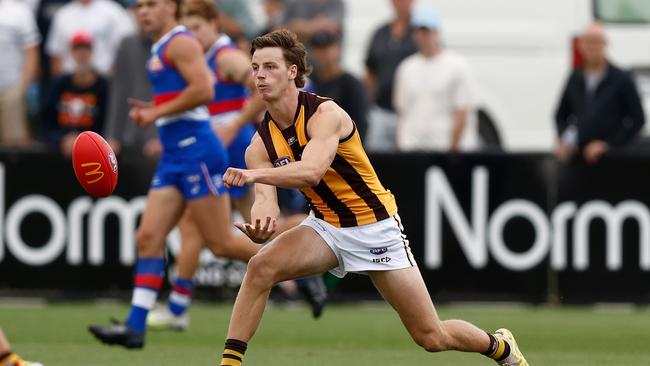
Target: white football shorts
{"points": [[380, 246]]}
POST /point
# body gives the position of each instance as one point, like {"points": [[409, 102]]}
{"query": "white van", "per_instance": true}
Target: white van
{"points": [[521, 52]]}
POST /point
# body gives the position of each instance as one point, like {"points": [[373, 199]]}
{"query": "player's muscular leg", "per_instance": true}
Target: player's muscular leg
{"points": [[298, 252], [404, 289], [192, 244], [164, 208], [211, 215]]}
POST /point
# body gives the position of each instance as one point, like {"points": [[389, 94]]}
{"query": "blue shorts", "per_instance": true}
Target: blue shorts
{"points": [[193, 161], [237, 156]]}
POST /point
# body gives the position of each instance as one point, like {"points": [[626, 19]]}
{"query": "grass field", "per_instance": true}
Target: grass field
{"points": [[359, 335]]}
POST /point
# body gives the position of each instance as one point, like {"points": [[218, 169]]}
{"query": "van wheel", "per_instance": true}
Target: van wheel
{"points": [[488, 133]]}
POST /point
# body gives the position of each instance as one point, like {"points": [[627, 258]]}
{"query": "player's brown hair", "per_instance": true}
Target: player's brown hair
{"points": [[201, 8], [293, 51]]}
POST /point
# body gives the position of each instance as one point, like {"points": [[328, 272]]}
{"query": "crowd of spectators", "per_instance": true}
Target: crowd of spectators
{"points": [[71, 65]]}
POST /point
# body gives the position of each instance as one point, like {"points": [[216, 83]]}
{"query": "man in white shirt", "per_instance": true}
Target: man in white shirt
{"points": [[19, 41], [434, 94], [105, 20]]}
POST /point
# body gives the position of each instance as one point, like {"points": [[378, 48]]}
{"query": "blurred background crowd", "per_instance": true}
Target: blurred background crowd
{"points": [[70, 65]]}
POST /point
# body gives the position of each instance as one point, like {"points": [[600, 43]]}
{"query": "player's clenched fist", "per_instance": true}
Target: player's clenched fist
{"points": [[237, 177]]}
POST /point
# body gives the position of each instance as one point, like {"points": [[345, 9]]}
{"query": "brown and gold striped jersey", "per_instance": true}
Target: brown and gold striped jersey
{"points": [[349, 194]]}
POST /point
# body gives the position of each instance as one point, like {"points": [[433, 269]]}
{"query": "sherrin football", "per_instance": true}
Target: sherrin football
{"points": [[95, 164]]}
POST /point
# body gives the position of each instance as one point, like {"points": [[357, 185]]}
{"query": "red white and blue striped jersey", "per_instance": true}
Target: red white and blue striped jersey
{"points": [[229, 96], [167, 82]]}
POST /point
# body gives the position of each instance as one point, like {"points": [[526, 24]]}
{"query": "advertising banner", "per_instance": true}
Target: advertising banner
{"points": [[482, 227]]}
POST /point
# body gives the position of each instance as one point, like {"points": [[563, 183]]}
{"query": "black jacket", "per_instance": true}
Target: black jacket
{"points": [[72, 108], [614, 114], [349, 94]]}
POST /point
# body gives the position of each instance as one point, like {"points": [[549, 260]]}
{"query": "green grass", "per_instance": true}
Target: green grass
{"points": [[359, 335]]}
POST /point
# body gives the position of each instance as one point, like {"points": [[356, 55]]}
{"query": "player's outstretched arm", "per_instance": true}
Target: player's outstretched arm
{"points": [[186, 55], [324, 128]]}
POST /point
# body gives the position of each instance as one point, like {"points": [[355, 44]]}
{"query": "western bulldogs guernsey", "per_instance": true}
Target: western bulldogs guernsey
{"points": [[193, 158], [229, 99]]}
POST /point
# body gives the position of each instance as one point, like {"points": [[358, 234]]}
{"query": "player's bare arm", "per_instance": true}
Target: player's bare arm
{"points": [[186, 55], [234, 65], [326, 127], [265, 210]]}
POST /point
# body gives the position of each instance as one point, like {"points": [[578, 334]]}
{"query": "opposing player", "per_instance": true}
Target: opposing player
{"points": [[190, 168], [231, 109], [309, 142]]}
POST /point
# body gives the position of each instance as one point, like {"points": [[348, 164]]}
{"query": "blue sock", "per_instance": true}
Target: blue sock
{"points": [[181, 295], [148, 280]]}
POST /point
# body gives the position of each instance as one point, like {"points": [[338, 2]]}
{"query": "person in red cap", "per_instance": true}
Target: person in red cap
{"points": [[77, 100]]}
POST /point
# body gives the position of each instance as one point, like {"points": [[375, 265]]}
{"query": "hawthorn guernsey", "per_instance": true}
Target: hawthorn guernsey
{"points": [[95, 164]]}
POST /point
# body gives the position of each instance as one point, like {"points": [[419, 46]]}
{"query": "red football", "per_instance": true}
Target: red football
{"points": [[95, 164]]}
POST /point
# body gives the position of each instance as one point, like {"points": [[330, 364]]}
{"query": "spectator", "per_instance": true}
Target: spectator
{"points": [[77, 101], [44, 15], [308, 17], [235, 19], [19, 41], [390, 44], [600, 106], [130, 81], [330, 80], [274, 11], [105, 20], [434, 95]]}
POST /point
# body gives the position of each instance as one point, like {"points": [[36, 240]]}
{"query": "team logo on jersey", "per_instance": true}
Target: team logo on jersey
{"points": [[378, 251], [155, 64], [282, 161], [292, 140]]}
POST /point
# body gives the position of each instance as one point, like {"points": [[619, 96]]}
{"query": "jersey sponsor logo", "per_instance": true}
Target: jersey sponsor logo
{"points": [[381, 260], [281, 161], [378, 251], [155, 64], [93, 172], [292, 140]]}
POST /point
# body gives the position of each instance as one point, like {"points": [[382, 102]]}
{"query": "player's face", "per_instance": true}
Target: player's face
{"points": [[153, 14], [204, 30], [271, 73]]}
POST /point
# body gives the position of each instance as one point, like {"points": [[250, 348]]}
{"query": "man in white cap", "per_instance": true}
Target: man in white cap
{"points": [[434, 94]]}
